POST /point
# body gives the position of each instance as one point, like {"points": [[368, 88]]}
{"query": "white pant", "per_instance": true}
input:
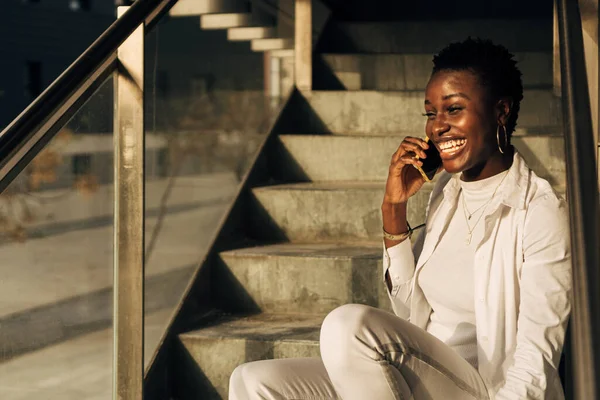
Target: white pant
{"points": [[367, 354]]}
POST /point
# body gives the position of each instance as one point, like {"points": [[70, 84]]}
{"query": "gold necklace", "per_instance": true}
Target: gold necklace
{"points": [[467, 218], [478, 208]]}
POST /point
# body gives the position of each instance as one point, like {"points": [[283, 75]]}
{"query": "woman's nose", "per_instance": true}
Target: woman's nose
{"points": [[439, 127]]}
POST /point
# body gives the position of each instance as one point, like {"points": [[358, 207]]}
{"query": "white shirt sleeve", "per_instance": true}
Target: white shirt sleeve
{"points": [[545, 287], [399, 260]]}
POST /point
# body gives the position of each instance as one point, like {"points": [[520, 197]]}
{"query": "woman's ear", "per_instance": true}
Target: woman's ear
{"points": [[503, 109]]}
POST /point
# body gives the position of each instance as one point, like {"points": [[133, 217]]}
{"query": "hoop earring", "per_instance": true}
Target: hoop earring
{"points": [[498, 138]]}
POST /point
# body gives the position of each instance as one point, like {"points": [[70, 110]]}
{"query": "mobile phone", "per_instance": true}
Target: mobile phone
{"points": [[431, 163]]}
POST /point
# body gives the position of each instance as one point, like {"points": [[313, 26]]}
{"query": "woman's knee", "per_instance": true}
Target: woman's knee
{"points": [[237, 385], [257, 379], [346, 320], [343, 326]]}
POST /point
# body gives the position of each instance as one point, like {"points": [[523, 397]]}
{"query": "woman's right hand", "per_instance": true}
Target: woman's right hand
{"points": [[404, 180]]}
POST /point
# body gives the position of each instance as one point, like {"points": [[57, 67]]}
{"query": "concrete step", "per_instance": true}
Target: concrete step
{"points": [[366, 158], [272, 44], [302, 278], [207, 357], [408, 71], [250, 33], [187, 8], [285, 53], [230, 20], [401, 112], [333, 157], [430, 36], [326, 211]]}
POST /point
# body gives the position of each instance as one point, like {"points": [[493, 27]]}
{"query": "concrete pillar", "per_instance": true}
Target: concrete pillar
{"points": [[287, 75], [589, 21], [303, 44]]}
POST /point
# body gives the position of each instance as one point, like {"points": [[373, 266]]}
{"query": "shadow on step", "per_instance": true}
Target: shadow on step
{"points": [[261, 227], [228, 294], [333, 39], [323, 76], [190, 382], [299, 117], [284, 167]]}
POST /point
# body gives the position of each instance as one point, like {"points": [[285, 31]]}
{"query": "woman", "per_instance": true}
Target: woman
{"points": [[482, 297]]}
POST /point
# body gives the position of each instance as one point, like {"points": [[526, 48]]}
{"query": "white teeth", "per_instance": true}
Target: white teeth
{"points": [[452, 145]]}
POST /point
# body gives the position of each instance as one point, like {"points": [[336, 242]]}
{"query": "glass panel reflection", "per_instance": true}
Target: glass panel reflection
{"points": [[56, 247], [209, 106]]}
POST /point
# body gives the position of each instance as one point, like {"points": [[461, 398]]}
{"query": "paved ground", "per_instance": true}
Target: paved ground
{"points": [[70, 259], [75, 370]]}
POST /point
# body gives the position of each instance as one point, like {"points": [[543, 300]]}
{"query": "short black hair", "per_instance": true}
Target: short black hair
{"points": [[492, 63]]}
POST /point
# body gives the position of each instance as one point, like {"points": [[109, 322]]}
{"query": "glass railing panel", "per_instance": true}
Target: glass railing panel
{"points": [[208, 109], [56, 247]]}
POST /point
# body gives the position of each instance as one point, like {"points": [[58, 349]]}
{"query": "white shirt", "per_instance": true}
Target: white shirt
{"points": [[521, 287], [448, 282]]}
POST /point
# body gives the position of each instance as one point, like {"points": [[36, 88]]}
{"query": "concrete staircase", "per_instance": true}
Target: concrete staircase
{"points": [[313, 223], [267, 25]]}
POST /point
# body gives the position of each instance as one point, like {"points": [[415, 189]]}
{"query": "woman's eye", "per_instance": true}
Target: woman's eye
{"points": [[429, 114], [454, 109]]}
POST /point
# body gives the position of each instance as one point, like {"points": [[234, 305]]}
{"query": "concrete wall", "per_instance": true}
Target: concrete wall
{"points": [[201, 83], [186, 52]]}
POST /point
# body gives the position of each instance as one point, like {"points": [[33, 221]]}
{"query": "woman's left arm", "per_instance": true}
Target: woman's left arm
{"points": [[545, 293]]}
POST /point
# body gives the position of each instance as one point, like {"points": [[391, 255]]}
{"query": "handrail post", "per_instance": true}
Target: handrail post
{"points": [[303, 44], [128, 351], [583, 203]]}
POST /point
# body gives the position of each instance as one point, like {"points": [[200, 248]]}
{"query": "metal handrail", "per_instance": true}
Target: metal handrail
{"points": [[584, 208], [27, 134]]}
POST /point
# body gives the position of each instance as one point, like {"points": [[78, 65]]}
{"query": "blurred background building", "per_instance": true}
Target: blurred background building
{"points": [[193, 83]]}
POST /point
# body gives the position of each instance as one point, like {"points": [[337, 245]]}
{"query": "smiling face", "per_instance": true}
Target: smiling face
{"points": [[462, 122]]}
